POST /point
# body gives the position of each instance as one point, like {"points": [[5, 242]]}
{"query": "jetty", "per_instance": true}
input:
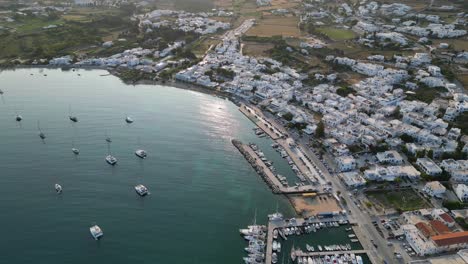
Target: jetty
{"points": [[265, 172]]}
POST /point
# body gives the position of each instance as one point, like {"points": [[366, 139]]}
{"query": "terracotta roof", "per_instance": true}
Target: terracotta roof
{"points": [[425, 229], [451, 238], [447, 218], [439, 227]]}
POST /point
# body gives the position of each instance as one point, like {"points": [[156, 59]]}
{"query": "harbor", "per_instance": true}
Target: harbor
{"points": [[303, 241], [266, 173], [189, 156], [297, 239]]}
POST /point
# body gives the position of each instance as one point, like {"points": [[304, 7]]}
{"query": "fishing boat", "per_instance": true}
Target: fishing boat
{"points": [[129, 120], [141, 190], [58, 188], [141, 153], [96, 232], [111, 160]]}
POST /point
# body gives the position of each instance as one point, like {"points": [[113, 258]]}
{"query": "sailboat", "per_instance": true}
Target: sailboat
{"points": [[58, 188], [108, 139], [73, 118], [111, 159], [129, 120], [41, 134], [141, 153], [75, 150]]}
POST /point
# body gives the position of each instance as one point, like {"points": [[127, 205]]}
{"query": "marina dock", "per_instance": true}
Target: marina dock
{"points": [[300, 222], [267, 175], [301, 253], [261, 122]]}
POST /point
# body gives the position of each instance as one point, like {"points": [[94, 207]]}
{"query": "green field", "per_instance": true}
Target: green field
{"points": [[337, 33], [82, 29], [405, 200]]}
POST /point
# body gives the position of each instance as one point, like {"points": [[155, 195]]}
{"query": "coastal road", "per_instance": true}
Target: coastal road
{"points": [[373, 242], [360, 216]]}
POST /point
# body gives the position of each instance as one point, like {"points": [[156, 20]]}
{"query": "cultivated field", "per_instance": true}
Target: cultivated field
{"points": [[275, 26], [256, 49], [405, 200], [337, 33]]}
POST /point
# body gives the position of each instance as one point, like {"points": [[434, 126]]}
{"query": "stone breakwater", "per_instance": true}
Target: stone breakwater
{"points": [[254, 162]]}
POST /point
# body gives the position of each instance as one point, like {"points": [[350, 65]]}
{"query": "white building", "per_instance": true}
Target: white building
{"points": [[462, 192], [346, 163], [352, 179], [390, 157], [428, 166], [435, 189]]}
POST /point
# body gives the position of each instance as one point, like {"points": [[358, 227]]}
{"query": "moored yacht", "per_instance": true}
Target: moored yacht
{"points": [[141, 190], [74, 119], [41, 134], [141, 153], [96, 232], [58, 188], [111, 160]]}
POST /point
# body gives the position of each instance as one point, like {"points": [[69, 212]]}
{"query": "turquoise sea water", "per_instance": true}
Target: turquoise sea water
{"points": [[202, 189]]}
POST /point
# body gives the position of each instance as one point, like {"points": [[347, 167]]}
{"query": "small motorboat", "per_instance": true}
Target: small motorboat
{"points": [[96, 232], [58, 188], [19, 118], [141, 190], [111, 160], [129, 120], [75, 151], [141, 153]]}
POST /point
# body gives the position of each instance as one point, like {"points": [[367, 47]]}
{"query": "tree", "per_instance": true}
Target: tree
{"points": [[430, 154], [407, 138], [288, 116], [320, 130]]}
